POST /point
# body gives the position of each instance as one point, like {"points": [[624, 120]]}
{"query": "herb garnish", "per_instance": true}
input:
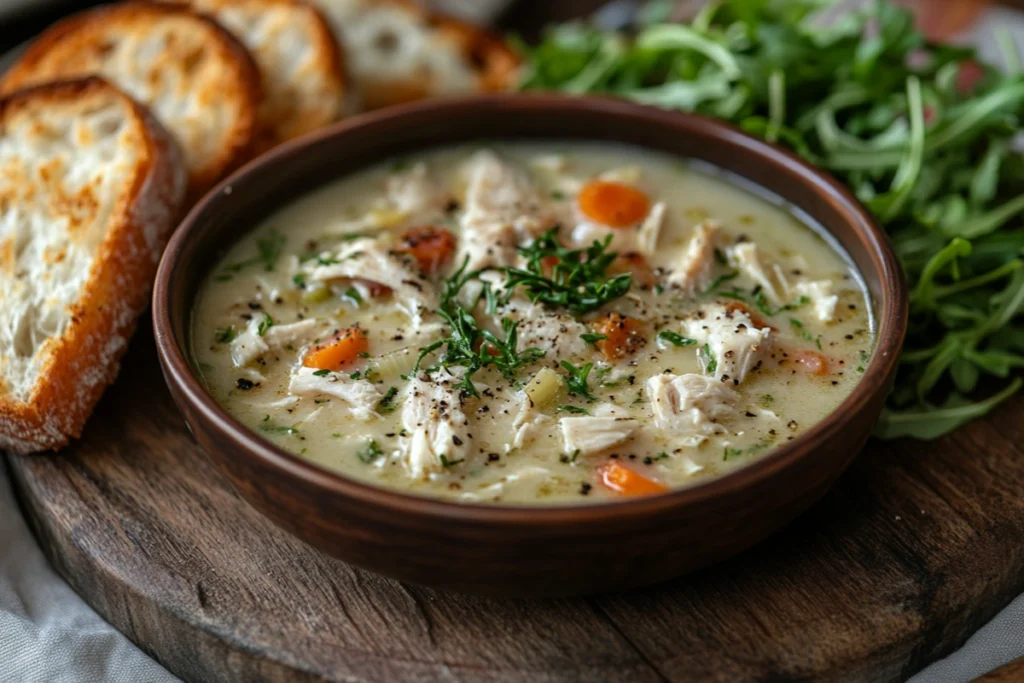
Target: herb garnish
{"points": [[265, 324], [223, 335], [762, 305], [578, 280], [387, 404], [576, 379], [274, 429], [568, 458], [575, 410], [731, 452], [721, 280], [470, 346], [708, 360], [268, 248], [873, 102], [322, 373], [353, 294], [446, 463], [798, 327], [370, 452], [592, 337], [676, 339]]}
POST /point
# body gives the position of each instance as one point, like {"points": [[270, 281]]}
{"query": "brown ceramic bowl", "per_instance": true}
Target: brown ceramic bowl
{"points": [[509, 550]]}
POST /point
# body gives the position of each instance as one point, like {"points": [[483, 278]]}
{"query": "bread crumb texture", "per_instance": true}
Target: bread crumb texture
{"points": [[89, 189], [198, 80]]}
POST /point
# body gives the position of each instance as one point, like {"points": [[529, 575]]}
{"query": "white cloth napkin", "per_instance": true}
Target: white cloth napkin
{"points": [[47, 633]]}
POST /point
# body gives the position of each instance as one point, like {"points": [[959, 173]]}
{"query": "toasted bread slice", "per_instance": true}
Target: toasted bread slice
{"points": [[397, 52], [90, 189], [298, 57], [199, 81]]}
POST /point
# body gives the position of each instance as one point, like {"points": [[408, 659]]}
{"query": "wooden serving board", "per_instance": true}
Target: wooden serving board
{"points": [[916, 547]]}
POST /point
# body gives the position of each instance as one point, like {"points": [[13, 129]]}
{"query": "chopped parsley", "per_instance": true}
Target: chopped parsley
{"points": [[731, 452], [370, 452], [268, 249], [322, 373], [721, 280], [575, 410], [708, 359], [576, 379], [446, 463], [569, 457], [661, 456], [265, 324], [299, 280], [387, 404], [676, 339], [224, 334], [804, 334], [578, 279], [762, 305], [275, 429], [593, 337], [353, 294]]}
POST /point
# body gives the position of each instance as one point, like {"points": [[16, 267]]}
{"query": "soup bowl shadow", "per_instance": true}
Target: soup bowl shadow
{"points": [[523, 551]]}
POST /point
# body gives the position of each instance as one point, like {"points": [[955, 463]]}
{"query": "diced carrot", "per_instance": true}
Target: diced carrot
{"points": [[624, 335], [432, 247], [758, 321], [342, 349], [547, 265], [616, 205], [812, 361], [636, 265], [621, 479]]}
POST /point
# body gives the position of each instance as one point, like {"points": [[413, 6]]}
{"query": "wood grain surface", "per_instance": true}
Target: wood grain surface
{"points": [[917, 546]]}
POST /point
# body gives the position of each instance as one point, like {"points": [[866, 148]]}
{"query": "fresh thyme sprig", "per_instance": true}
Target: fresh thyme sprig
{"points": [[578, 280], [470, 346]]}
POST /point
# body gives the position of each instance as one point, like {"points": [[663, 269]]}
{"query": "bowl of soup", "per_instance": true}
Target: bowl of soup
{"points": [[530, 345]]}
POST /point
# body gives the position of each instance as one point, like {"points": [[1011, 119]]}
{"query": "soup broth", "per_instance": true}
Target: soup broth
{"points": [[532, 323]]}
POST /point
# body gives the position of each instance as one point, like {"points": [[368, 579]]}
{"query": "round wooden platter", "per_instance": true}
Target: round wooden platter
{"points": [[917, 546]]}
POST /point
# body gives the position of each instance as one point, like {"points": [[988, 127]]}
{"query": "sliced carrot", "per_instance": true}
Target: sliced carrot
{"points": [[616, 205], [624, 335], [621, 479], [342, 349], [758, 321], [432, 247], [812, 361], [636, 265]]}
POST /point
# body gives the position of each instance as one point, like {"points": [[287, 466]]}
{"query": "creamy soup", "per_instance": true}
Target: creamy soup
{"points": [[532, 323]]}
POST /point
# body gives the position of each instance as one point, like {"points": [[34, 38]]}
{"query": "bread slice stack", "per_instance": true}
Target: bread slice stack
{"points": [[90, 189], [198, 80]]}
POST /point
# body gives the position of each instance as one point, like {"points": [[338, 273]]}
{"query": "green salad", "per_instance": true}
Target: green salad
{"points": [[921, 132]]}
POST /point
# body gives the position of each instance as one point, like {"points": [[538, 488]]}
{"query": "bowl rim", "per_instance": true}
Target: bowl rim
{"points": [[891, 312]]}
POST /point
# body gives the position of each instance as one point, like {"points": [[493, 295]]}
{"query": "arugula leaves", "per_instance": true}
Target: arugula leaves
{"points": [[869, 99]]}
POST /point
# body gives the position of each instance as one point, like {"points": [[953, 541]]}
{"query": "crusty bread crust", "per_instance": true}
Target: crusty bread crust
{"points": [[301, 92], [493, 61], [78, 46], [84, 360]]}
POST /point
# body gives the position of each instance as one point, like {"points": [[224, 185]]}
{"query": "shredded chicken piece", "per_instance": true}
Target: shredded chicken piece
{"points": [[502, 208], [412, 192], [736, 344], [557, 334], [362, 396], [819, 292], [596, 433], [687, 407], [747, 258], [368, 260], [698, 264], [434, 423], [250, 345]]}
